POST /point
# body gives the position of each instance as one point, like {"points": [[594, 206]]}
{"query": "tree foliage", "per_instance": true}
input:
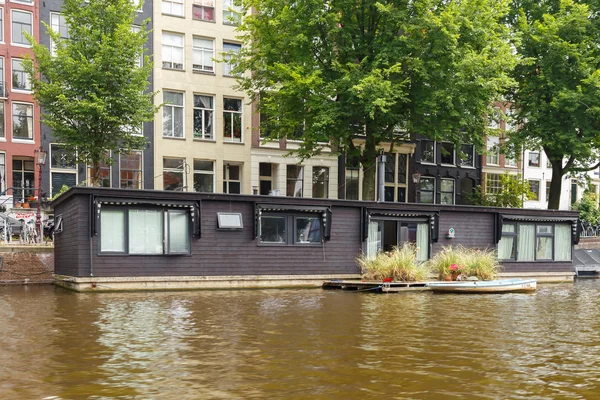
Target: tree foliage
{"points": [[342, 70], [92, 91], [588, 208], [557, 98], [513, 191]]}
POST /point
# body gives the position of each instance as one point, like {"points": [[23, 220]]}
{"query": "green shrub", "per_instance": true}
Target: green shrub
{"points": [[400, 264], [471, 262], [62, 190]]}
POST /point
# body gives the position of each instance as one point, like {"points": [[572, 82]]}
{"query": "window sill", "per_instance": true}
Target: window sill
{"points": [[228, 142], [205, 140], [24, 141], [448, 165], [427, 163], [204, 20], [174, 138], [200, 72], [26, 46], [260, 244], [22, 91], [173, 15], [467, 167], [174, 69]]}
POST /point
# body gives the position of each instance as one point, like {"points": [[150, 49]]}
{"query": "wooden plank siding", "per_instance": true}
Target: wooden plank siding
{"points": [[238, 253]]}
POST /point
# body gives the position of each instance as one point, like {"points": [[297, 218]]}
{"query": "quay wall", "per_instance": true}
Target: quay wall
{"points": [[26, 264]]}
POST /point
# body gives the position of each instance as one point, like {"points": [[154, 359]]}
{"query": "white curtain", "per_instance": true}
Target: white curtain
{"points": [[112, 230], [145, 232], [179, 232], [374, 240], [423, 242], [562, 242], [526, 242], [506, 243]]}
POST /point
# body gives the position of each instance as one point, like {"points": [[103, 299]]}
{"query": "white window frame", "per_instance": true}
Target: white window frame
{"points": [[12, 37], [434, 162], [171, 3], [453, 153], [227, 65], [442, 180], [232, 139], [229, 10], [3, 118], [494, 119], [58, 170], [173, 119], [539, 155], [203, 110], [227, 179], [2, 171], [493, 150], [56, 28], [496, 187], [89, 173], [24, 74], [127, 169], [325, 182], [201, 52], [539, 188], [32, 118], [29, 3], [2, 26], [181, 170], [171, 47], [140, 60], [206, 172], [202, 4]]}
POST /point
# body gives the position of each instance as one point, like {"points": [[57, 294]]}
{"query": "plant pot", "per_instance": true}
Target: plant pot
{"points": [[33, 204], [18, 204], [454, 276], [447, 278], [25, 205]]}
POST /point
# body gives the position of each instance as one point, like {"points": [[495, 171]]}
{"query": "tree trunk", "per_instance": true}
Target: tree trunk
{"points": [[369, 157], [555, 185], [95, 174]]}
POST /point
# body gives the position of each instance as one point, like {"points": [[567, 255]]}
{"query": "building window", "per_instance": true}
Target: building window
{"points": [[63, 169], [21, 23], [428, 151], [534, 159], [447, 191], [295, 181], [548, 183], [3, 88], [203, 117], [228, 50], [395, 177], [535, 242], [20, 78], [493, 151], [467, 155], [509, 122], [58, 24], [140, 59], [204, 176], [23, 178], [144, 231], [2, 132], [104, 174], [232, 120], [231, 13], [495, 118], [204, 10], [203, 52], [427, 190], [2, 172], [232, 182], [22, 121], [384, 235], [265, 178], [173, 114], [352, 183], [2, 29], [172, 7], [534, 187], [320, 188], [172, 50], [447, 153], [493, 184], [131, 170], [510, 161], [173, 174], [548, 162], [286, 229]]}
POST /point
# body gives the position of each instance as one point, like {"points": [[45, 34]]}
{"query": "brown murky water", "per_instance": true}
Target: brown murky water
{"points": [[300, 344]]}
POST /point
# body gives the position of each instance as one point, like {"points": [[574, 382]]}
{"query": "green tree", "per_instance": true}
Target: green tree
{"points": [[358, 73], [513, 191], [92, 91], [588, 208], [557, 97]]}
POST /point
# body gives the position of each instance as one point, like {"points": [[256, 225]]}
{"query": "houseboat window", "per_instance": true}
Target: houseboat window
{"points": [[144, 231], [384, 235], [291, 229], [535, 242]]}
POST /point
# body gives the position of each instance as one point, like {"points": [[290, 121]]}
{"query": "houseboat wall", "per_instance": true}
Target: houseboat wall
{"points": [[219, 258]]}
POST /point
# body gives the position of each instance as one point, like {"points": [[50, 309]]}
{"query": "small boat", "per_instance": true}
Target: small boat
{"points": [[498, 286]]}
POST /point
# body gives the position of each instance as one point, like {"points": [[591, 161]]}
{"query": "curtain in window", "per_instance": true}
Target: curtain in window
{"points": [[112, 230], [145, 232], [562, 242], [374, 240], [526, 242], [506, 244], [178, 232], [423, 242]]}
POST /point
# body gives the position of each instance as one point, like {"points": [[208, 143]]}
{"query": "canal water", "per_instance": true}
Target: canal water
{"points": [[300, 344]]}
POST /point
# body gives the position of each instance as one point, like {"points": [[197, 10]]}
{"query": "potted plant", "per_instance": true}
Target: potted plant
{"points": [[32, 200]]}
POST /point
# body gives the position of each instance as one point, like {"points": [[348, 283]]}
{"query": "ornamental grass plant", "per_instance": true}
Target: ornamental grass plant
{"points": [[482, 264], [400, 264]]}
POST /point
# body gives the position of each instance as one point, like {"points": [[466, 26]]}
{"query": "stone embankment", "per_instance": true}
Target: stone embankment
{"points": [[26, 264]]}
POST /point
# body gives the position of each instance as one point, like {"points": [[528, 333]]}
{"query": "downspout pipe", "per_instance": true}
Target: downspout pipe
{"points": [[381, 159]]}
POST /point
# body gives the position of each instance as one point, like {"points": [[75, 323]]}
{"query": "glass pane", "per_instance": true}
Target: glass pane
{"points": [[427, 151], [446, 198], [506, 247], [234, 172], [112, 230], [308, 230], [176, 163], [401, 195], [173, 98], [202, 165], [544, 248], [272, 229], [544, 229], [447, 153], [232, 104], [203, 183], [402, 168], [427, 184], [422, 242], [179, 232], [508, 228], [526, 242], [265, 169], [374, 242], [234, 188], [447, 185], [172, 180], [145, 232], [390, 168], [562, 242], [389, 193]]}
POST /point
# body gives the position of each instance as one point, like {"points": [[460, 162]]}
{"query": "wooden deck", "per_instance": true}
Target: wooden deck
{"points": [[377, 287]]}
